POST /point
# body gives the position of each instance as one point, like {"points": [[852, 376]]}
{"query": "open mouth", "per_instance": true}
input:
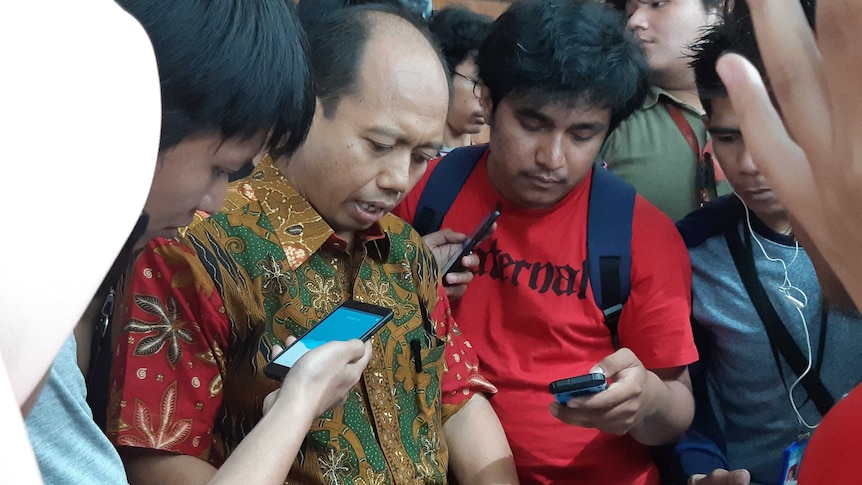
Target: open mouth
{"points": [[370, 207]]}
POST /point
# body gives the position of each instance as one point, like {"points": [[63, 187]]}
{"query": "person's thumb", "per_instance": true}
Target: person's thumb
{"points": [[615, 363], [740, 477]]}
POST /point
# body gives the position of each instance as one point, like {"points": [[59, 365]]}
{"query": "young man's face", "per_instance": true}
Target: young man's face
{"points": [[192, 176], [665, 29], [539, 153], [736, 162], [465, 114], [358, 164]]}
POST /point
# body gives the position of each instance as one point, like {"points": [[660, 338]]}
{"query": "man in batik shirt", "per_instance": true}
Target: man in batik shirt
{"points": [[294, 240]]}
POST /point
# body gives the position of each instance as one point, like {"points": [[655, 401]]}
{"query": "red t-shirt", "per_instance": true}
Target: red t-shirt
{"points": [[529, 327], [835, 450]]}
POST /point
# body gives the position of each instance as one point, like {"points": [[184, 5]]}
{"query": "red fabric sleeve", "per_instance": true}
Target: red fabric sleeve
{"points": [[655, 323], [171, 332], [462, 377], [835, 450]]}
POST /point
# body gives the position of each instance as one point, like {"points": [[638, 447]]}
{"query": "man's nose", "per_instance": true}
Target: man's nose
{"points": [[638, 19], [396, 176], [212, 199], [551, 155]]}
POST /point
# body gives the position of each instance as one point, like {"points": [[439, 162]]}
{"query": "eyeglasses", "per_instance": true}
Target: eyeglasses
{"points": [[476, 83]]}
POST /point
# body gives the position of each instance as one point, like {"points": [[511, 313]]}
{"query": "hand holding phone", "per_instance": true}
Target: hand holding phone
{"points": [[323, 377], [350, 320], [565, 389], [453, 265]]}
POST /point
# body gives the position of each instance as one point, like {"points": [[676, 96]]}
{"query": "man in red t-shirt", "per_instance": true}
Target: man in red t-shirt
{"points": [[557, 77]]}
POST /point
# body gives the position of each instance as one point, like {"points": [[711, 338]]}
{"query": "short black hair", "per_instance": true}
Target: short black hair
{"points": [[234, 67], [735, 33], [337, 46], [708, 5], [570, 51], [459, 33]]}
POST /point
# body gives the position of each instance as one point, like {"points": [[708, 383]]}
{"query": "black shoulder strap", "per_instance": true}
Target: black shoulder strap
{"points": [[609, 245], [779, 336], [443, 186], [101, 356]]}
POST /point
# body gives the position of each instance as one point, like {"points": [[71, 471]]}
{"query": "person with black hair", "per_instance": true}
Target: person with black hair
{"points": [[459, 33], [301, 235], [746, 418], [216, 62], [660, 148], [558, 77]]}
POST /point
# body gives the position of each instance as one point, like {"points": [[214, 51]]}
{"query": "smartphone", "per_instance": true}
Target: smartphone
{"points": [[565, 389], [350, 320], [453, 265]]}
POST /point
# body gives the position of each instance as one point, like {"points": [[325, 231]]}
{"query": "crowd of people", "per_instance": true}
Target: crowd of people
{"points": [[727, 341]]}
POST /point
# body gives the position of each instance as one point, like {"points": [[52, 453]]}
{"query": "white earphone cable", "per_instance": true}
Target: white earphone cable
{"points": [[785, 289]]}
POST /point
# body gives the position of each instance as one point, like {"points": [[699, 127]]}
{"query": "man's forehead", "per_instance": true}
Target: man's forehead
{"points": [[579, 106], [722, 115], [415, 63]]}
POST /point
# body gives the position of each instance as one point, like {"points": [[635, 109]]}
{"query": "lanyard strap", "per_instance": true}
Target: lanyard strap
{"points": [[779, 337], [704, 178]]}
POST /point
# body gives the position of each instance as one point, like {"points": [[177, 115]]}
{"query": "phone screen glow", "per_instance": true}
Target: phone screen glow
{"points": [[342, 324]]}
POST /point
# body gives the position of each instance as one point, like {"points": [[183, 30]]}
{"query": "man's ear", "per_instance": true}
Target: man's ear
{"points": [[487, 105], [705, 119]]}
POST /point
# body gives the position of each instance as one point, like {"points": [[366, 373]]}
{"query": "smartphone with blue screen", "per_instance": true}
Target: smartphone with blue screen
{"points": [[565, 389], [350, 320]]}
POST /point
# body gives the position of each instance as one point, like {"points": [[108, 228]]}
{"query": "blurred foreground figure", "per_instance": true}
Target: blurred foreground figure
{"points": [[817, 174]]}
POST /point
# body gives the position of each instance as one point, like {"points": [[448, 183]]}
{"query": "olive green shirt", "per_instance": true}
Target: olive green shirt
{"points": [[649, 151]]}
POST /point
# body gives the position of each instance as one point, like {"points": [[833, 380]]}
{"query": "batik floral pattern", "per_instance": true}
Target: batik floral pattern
{"points": [[218, 319]]}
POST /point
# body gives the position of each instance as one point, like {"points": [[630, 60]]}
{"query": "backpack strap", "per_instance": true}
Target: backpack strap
{"points": [[609, 245], [443, 186]]}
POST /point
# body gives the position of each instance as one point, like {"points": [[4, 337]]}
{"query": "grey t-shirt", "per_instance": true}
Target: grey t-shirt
{"points": [[69, 446], [745, 388]]}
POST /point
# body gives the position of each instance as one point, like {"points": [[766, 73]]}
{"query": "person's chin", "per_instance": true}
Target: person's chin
{"points": [[474, 129], [534, 198]]}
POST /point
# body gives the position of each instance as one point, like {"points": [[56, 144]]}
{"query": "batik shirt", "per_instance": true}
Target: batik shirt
{"points": [[201, 315]]}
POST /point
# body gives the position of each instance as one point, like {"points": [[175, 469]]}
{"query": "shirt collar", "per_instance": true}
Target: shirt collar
{"points": [[655, 94], [300, 229]]}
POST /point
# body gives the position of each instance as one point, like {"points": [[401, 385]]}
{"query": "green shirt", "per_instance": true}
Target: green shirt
{"points": [[649, 151]]}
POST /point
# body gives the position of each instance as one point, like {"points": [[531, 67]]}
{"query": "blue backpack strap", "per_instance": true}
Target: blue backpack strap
{"points": [[443, 186], [609, 244]]}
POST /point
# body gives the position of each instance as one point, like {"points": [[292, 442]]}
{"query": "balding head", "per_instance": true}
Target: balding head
{"points": [[340, 43], [382, 99]]}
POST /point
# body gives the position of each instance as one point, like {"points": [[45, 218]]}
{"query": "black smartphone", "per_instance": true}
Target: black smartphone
{"points": [[453, 265], [565, 389], [350, 320]]}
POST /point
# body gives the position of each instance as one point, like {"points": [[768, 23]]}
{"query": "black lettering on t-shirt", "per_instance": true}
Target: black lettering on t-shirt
{"points": [[565, 282], [541, 269], [540, 276]]}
